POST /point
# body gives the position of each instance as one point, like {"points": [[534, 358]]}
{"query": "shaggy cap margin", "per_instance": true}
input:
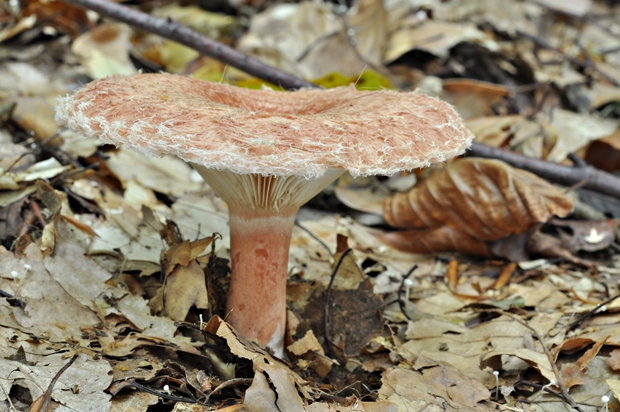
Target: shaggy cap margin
{"points": [[300, 133]]}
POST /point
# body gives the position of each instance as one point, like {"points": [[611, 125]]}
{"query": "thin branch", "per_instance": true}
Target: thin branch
{"points": [[12, 300], [592, 312], [175, 31], [401, 303], [327, 293], [227, 384], [595, 179], [160, 394]]}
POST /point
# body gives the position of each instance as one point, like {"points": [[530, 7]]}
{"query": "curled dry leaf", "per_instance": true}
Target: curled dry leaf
{"points": [[437, 239], [487, 199]]}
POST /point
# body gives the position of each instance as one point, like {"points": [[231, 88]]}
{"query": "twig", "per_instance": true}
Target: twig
{"points": [[401, 304], [577, 161], [546, 390], [162, 395], [592, 312], [175, 31], [327, 293], [13, 301], [228, 383], [37, 212], [43, 402], [341, 400], [597, 180]]}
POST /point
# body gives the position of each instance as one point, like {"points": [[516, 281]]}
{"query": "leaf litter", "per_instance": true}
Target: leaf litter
{"points": [[99, 247]]}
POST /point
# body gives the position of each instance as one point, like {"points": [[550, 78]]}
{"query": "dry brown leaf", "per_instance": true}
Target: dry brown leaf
{"points": [[530, 138], [548, 245], [275, 386], [576, 130], [66, 18], [185, 284], [51, 310], [104, 51], [440, 239], [604, 153], [36, 114], [505, 276], [185, 287], [431, 387], [349, 276], [576, 8], [133, 401], [472, 98], [614, 385], [614, 360], [364, 194], [538, 360], [488, 199], [432, 36], [260, 397], [184, 252], [36, 372], [576, 373], [44, 402], [310, 40]]}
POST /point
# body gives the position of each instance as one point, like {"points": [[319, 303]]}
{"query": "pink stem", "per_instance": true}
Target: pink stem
{"points": [[259, 246]]}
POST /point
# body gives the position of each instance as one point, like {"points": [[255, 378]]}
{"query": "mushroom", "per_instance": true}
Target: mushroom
{"points": [[265, 153]]}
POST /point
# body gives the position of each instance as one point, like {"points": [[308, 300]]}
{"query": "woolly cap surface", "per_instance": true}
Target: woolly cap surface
{"points": [[300, 133]]}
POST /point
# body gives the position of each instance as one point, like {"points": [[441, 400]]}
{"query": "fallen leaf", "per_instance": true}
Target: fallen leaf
{"points": [[487, 199], [184, 287], [614, 360], [577, 8], [575, 374], [435, 37], [576, 130], [309, 38], [104, 50], [614, 385], [441, 239], [472, 98], [43, 402], [275, 386], [90, 376], [430, 387], [519, 134]]}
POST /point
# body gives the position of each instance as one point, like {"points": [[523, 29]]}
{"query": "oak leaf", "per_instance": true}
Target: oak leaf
{"points": [[477, 200]]}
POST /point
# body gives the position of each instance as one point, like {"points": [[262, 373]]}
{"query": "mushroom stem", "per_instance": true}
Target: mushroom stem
{"points": [[262, 213], [256, 304]]}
